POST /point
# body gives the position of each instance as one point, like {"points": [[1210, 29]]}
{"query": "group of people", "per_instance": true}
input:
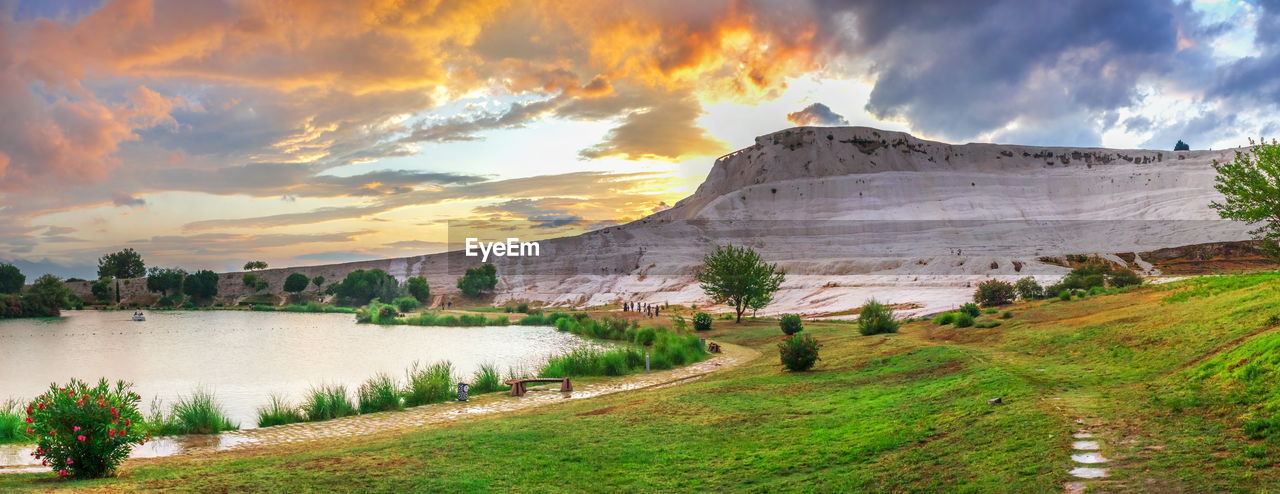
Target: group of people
{"points": [[649, 310]]}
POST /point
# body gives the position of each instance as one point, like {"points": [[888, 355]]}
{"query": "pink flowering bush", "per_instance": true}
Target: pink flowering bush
{"points": [[799, 352], [82, 431]]}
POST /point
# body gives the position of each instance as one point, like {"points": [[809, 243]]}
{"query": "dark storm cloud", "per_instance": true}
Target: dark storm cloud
{"points": [[1256, 78], [817, 114], [962, 68]]}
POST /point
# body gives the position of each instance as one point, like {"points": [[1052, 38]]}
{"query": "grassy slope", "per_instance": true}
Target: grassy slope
{"points": [[1149, 371]]}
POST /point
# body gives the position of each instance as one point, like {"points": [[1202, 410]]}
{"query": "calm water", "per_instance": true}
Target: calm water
{"points": [[244, 356]]}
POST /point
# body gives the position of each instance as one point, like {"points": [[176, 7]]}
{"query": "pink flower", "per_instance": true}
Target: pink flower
{"points": [[31, 420], [71, 394], [75, 429], [30, 430], [44, 463], [81, 438], [70, 461], [111, 432]]}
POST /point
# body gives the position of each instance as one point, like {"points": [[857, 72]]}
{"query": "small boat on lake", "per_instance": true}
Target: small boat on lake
{"points": [[138, 316]]}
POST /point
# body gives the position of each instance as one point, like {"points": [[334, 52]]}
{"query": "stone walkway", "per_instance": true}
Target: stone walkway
{"points": [[417, 417], [1090, 463]]}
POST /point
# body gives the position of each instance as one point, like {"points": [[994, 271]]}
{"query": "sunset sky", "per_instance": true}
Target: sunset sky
{"points": [[207, 133]]}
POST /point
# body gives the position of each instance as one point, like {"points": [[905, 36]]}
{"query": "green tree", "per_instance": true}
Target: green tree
{"points": [[165, 279], [991, 293], [361, 286], [124, 264], [876, 318], [201, 285], [257, 283], [296, 283], [1029, 289], [478, 280], [318, 281], [419, 289], [11, 279], [50, 296], [1250, 185], [1181, 146], [101, 289], [738, 276], [255, 265]]}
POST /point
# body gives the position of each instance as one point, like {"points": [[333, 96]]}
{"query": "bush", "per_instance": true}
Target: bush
{"points": [[971, 309], [945, 318], [202, 285], [296, 283], [1006, 315], [82, 431], [327, 402], [702, 321], [11, 279], [994, 292], [791, 324], [13, 425], [1088, 276], [478, 280], [199, 413], [986, 324], [1123, 277], [487, 380], [431, 384], [279, 412], [405, 304], [644, 336], [876, 318], [418, 288], [799, 352], [361, 286], [1029, 289], [963, 320], [1065, 295], [379, 394]]}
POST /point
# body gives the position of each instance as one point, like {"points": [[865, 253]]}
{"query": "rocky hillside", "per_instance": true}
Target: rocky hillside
{"points": [[854, 213]]}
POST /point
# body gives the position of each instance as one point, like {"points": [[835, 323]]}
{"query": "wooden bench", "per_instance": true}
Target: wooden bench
{"points": [[521, 386]]}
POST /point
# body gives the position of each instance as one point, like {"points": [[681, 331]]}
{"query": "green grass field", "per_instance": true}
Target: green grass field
{"points": [[1178, 382]]}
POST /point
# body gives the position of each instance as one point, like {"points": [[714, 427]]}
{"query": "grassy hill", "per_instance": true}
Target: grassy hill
{"points": [[1177, 382]]}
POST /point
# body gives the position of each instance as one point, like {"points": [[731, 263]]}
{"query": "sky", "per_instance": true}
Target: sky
{"points": [[206, 134]]}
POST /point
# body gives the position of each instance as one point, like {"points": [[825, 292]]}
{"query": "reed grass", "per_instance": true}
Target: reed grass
{"points": [[487, 380], [326, 402], [12, 426], [379, 394], [279, 412], [430, 384], [197, 413]]}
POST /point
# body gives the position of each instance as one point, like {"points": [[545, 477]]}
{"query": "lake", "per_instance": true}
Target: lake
{"points": [[243, 356]]}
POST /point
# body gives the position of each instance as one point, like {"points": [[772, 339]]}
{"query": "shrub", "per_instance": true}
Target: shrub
{"points": [[199, 413], [361, 286], [379, 394], [963, 320], [326, 402], [1006, 315], [1123, 278], [201, 285], [523, 308], [986, 324], [13, 425], [702, 321], [1065, 295], [876, 318], [405, 304], [279, 412], [296, 283], [11, 279], [790, 324], [431, 384], [971, 309], [799, 352], [418, 288], [994, 292], [945, 318], [678, 323], [1029, 289], [487, 380], [82, 431], [478, 280], [645, 336]]}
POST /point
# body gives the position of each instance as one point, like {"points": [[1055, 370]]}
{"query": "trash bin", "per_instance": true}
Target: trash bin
{"points": [[462, 391]]}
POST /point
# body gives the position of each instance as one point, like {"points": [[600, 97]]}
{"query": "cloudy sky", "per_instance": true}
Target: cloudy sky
{"points": [[204, 134]]}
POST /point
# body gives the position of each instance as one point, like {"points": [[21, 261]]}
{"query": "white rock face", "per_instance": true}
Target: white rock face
{"points": [[854, 213]]}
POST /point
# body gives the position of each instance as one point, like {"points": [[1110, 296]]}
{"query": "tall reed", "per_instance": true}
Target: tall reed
{"points": [[326, 402], [379, 394], [430, 384], [487, 380], [279, 412], [13, 428], [198, 413]]}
